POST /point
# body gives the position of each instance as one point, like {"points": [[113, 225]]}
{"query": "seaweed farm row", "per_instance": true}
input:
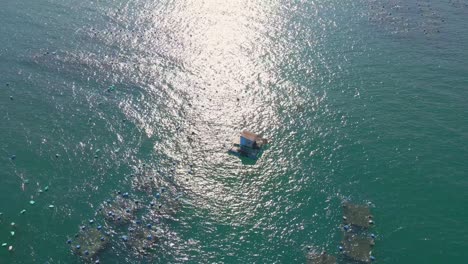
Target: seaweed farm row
{"points": [[137, 224], [357, 239]]}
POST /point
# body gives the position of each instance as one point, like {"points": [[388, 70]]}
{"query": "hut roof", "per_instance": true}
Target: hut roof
{"points": [[250, 136]]}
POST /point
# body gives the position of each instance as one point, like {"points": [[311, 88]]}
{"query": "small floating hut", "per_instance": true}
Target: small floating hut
{"points": [[248, 144]]}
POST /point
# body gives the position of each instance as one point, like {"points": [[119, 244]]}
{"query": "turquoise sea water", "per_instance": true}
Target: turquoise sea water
{"points": [[364, 100]]}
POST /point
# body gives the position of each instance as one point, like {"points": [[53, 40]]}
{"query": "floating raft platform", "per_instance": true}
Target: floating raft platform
{"points": [[120, 211], [320, 258], [357, 215], [358, 248], [89, 243], [143, 240]]}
